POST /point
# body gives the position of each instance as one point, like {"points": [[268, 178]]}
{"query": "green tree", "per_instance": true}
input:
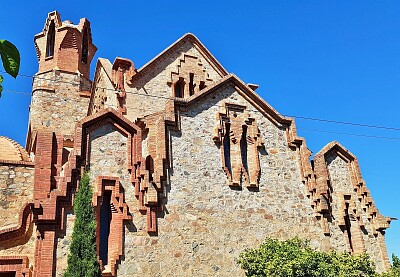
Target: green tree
{"points": [[395, 269], [10, 58], [294, 258], [82, 260]]}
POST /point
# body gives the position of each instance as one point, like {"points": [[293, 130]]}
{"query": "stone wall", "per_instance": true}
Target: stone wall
{"points": [[58, 101], [16, 190], [206, 223], [148, 93], [342, 185], [64, 240]]}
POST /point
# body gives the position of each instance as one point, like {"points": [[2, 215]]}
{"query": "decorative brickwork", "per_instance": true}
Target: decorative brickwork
{"points": [[160, 143], [68, 44], [123, 71], [338, 180], [189, 78], [19, 265], [239, 139], [119, 213]]}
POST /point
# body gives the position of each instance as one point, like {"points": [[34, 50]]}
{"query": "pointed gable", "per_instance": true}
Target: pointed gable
{"points": [[194, 48]]}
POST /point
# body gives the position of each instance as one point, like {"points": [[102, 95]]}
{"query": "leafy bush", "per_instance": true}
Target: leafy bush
{"points": [[294, 258]]}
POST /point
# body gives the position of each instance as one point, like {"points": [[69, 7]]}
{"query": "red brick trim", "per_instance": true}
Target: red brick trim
{"points": [[24, 220], [99, 117], [45, 251], [17, 264], [120, 214], [30, 164], [85, 94]]}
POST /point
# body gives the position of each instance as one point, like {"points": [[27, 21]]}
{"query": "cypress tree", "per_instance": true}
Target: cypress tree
{"points": [[82, 259]]}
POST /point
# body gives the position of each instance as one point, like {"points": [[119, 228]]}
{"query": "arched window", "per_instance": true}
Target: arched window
{"points": [[85, 44], [51, 38]]}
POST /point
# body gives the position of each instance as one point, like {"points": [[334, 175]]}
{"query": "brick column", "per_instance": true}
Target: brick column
{"points": [[44, 253], [43, 164]]}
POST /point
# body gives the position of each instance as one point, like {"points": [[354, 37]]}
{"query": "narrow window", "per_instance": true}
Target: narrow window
{"points": [[243, 148], [179, 88], [348, 226], [85, 44], [150, 167], [191, 84], [202, 85], [105, 220], [51, 38], [227, 147]]}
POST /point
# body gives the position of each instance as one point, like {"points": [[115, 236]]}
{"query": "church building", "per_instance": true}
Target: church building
{"points": [[189, 166]]}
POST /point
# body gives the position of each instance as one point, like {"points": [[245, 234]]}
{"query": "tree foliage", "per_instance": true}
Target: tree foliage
{"points": [[294, 258], [82, 260], [10, 58], [395, 270]]}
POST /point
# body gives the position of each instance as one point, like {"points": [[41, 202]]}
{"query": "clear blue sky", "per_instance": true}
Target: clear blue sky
{"points": [[337, 60]]}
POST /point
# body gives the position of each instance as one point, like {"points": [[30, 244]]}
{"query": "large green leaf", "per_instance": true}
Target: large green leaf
{"points": [[10, 57], [1, 87]]}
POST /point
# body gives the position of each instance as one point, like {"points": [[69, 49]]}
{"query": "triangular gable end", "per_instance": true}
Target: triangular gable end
{"points": [[187, 38], [250, 95], [125, 126], [102, 88]]}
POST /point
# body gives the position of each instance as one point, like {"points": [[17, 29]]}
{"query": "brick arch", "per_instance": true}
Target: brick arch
{"points": [[128, 128]]}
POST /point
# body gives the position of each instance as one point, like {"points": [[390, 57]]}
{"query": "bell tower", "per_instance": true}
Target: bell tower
{"points": [[61, 87]]}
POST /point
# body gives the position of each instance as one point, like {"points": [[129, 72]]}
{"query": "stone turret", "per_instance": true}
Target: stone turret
{"points": [[61, 88]]}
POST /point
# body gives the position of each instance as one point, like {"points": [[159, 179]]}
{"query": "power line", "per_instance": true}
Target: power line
{"points": [[304, 129], [172, 98], [345, 123], [16, 92], [348, 134]]}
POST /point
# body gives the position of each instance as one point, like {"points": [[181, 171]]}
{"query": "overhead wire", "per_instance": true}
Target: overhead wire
{"points": [[389, 128]]}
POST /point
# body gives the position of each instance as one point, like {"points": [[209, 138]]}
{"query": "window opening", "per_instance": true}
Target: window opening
{"points": [[243, 148], [105, 220], [179, 88], [150, 167], [8, 274], [191, 84], [51, 38], [85, 50], [202, 85], [227, 147], [348, 226]]}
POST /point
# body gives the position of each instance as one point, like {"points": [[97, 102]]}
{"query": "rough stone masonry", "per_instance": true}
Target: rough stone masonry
{"points": [[189, 166]]}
